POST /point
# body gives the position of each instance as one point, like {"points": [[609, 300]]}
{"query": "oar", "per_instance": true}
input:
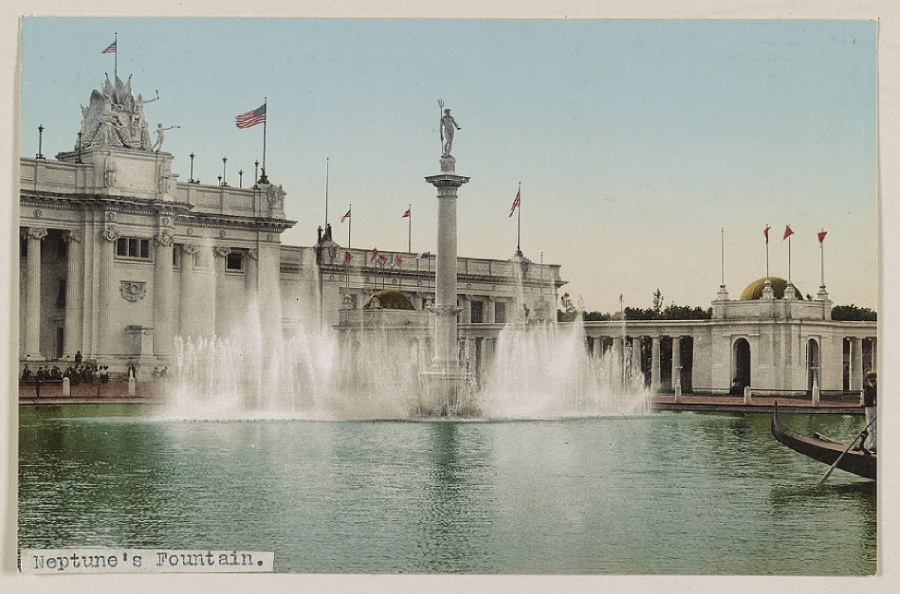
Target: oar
{"points": [[836, 462]]}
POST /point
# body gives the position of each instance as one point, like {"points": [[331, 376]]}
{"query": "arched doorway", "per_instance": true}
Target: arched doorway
{"points": [[812, 363], [740, 364]]}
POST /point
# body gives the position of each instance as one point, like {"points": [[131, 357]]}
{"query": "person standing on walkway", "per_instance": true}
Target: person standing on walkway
{"points": [[38, 378], [870, 390]]}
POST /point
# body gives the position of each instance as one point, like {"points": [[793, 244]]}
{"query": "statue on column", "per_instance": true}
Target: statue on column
{"points": [[448, 128]]}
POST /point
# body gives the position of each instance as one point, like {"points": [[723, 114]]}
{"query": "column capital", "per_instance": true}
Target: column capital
{"points": [[35, 232], [190, 248], [72, 235], [221, 250], [164, 238], [110, 233], [253, 253]]}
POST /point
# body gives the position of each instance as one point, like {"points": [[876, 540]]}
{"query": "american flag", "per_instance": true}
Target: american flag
{"points": [[111, 48], [516, 202], [251, 118]]}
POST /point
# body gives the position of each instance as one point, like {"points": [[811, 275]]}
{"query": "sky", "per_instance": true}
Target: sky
{"points": [[651, 153]]}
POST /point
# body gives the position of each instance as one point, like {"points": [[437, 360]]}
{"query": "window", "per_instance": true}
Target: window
{"points": [[176, 256], [500, 312], [477, 312], [133, 247], [234, 261]]}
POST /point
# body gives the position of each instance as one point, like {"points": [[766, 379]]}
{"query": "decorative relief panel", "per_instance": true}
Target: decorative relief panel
{"points": [[132, 290]]}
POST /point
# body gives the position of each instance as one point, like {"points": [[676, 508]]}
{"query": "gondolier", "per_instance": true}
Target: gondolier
{"points": [[870, 390]]}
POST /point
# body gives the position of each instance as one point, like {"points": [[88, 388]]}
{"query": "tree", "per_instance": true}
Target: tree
{"points": [[657, 302], [568, 313], [852, 313]]}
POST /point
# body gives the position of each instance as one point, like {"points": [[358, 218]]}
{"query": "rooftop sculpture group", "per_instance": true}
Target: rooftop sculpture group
{"points": [[116, 118]]}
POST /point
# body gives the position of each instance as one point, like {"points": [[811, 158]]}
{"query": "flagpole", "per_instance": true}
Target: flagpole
{"points": [[519, 223], [263, 179], [116, 58], [822, 255], [789, 259], [723, 256], [767, 252], [326, 192], [349, 225], [409, 240]]}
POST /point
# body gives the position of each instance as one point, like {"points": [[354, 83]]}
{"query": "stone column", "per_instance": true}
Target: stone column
{"points": [[252, 263], [655, 366], [874, 341], [636, 357], [74, 292], [444, 376], [856, 359], [162, 296], [110, 234], [676, 366], [221, 318], [490, 310], [188, 281], [34, 236]]}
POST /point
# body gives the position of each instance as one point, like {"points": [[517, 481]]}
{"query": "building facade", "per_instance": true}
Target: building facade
{"points": [[118, 258]]}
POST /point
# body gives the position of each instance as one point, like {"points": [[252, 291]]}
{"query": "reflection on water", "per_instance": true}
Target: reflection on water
{"points": [[659, 494]]}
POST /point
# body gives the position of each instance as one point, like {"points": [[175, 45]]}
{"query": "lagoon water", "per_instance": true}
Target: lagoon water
{"points": [[664, 493]]}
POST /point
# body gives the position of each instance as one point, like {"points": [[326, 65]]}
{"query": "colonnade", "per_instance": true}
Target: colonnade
{"points": [[91, 291]]}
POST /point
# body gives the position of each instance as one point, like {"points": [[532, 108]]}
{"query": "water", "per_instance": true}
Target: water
{"points": [[537, 371], [653, 494]]}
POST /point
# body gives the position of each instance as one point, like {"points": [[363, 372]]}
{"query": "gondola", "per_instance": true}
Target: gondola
{"points": [[859, 462]]}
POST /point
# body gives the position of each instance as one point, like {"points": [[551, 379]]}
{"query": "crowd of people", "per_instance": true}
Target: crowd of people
{"points": [[89, 374]]}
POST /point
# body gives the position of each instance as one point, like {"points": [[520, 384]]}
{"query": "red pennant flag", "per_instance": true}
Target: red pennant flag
{"points": [[516, 203], [346, 216], [111, 48], [766, 233], [421, 255], [406, 214], [822, 235], [374, 254], [382, 259], [347, 257], [787, 232], [398, 259]]}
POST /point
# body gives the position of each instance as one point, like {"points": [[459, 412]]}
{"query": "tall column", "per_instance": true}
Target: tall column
{"points": [[445, 308], [655, 366], [74, 279], [34, 236], [104, 281], [676, 365], [162, 296], [445, 375], [856, 359]]}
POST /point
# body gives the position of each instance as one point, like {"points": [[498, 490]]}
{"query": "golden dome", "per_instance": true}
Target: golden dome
{"points": [[755, 289], [389, 299]]}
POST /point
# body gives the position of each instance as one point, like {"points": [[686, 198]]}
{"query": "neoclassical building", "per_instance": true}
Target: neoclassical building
{"points": [[118, 257]]}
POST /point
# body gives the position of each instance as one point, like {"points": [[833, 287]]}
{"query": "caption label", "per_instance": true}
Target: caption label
{"points": [[69, 561]]}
